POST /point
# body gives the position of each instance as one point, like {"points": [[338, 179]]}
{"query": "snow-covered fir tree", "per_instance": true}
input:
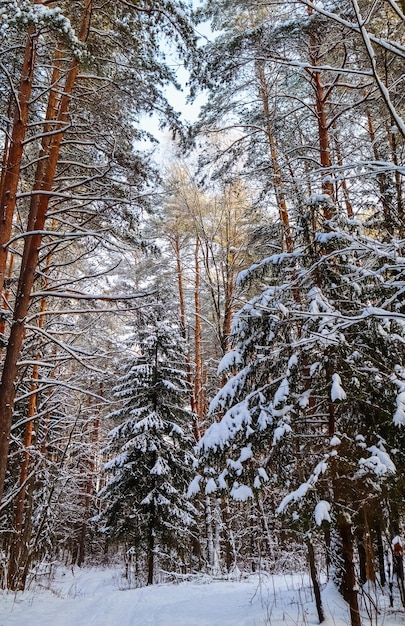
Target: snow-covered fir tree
{"points": [[315, 402], [150, 449]]}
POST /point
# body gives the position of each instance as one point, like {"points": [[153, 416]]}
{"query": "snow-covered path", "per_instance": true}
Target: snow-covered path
{"points": [[92, 597]]}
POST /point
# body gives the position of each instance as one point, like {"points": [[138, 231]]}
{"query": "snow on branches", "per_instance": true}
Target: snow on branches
{"points": [[314, 377], [24, 14]]}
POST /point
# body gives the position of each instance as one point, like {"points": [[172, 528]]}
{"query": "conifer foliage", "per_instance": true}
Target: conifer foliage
{"points": [[150, 448], [315, 400]]}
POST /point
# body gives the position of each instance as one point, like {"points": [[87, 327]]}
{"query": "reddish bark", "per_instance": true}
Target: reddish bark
{"points": [[6, 148], [277, 180], [324, 147], [51, 121], [6, 295], [323, 128], [18, 540], [37, 217], [12, 170]]}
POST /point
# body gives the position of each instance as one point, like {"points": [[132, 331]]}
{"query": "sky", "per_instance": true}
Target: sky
{"points": [[179, 100]]}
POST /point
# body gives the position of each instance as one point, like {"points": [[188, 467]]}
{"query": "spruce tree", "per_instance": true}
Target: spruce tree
{"points": [[316, 402], [150, 448]]}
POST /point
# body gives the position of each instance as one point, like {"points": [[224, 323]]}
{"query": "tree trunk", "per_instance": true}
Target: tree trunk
{"points": [[362, 558], [323, 129], [265, 526], [324, 147], [315, 581], [37, 216], [369, 549], [229, 288], [382, 179], [6, 147], [11, 178], [288, 242], [18, 540], [212, 537], [5, 306], [229, 548], [349, 577], [198, 370], [327, 538], [346, 195], [151, 553], [89, 490], [380, 552], [182, 310], [180, 286], [392, 139]]}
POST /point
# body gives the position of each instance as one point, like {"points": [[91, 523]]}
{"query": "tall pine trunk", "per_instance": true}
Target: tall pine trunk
{"points": [[321, 96], [13, 159], [37, 217], [287, 242]]}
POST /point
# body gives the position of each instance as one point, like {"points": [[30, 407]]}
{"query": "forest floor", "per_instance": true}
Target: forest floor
{"points": [[100, 597]]}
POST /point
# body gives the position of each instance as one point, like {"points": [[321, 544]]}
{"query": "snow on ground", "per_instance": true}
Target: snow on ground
{"points": [[98, 597]]}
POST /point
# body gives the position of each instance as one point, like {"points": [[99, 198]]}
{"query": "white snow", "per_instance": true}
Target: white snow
{"points": [[101, 597], [323, 238], [230, 360], [397, 541], [379, 463], [399, 416], [303, 489], [161, 467], [317, 198], [313, 368], [321, 512], [282, 392], [280, 431], [241, 493], [262, 473], [303, 400], [283, 309], [337, 391], [294, 496], [221, 480], [245, 454], [211, 486], [219, 434], [229, 391], [194, 486]]}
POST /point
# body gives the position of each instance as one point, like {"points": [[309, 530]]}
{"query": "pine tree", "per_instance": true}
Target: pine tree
{"points": [[75, 79]]}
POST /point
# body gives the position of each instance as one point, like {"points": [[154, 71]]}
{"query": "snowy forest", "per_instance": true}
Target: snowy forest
{"points": [[202, 341]]}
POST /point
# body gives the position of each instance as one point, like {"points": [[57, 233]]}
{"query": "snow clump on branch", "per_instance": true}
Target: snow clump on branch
{"points": [[22, 14]]}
